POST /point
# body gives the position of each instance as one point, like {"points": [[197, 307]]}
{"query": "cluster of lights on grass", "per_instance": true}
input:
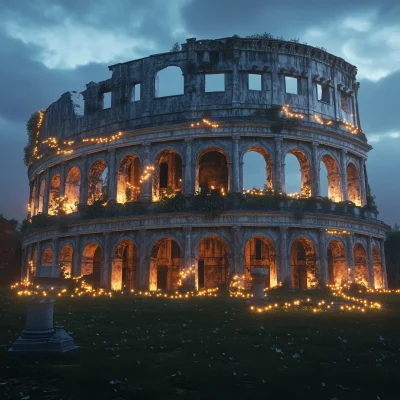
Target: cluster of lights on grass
{"points": [[237, 290]]}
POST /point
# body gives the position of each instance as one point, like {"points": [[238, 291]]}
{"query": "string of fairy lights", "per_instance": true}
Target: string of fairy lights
{"points": [[349, 302], [64, 147]]}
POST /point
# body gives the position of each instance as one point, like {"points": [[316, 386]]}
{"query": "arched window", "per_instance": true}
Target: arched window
{"points": [[332, 182], [297, 183], [304, 264], [124, 266], [212, 171], [165, 265], [72, 189], [353, 184], [257, 169], [98, 182], [168, 174], [128, 185]]}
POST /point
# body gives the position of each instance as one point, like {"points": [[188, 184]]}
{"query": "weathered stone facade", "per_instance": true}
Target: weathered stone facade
{"points": [[166, 146]]}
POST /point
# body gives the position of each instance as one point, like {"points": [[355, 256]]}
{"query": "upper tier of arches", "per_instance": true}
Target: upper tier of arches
{"points": [[233, 77]]}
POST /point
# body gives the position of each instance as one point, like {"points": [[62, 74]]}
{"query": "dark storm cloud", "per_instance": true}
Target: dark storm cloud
{"points": [[379, 104]]}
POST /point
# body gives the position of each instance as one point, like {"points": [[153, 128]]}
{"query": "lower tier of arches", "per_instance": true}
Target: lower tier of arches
{"points": [[199, 257]]}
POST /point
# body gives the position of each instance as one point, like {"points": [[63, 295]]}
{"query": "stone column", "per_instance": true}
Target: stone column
{"points": [[146, 186], [105, 273], [83, 196], [284, 275], [143, 273], [30, 210], [343, 175], [76, 269], [279, 181], [241, 177], [350, 259], [235, 168], [383, 264], [25, 265], [370, 259], [191, 283], [62, 179], [37, 194], [237, 266], [363, 189], [188, 184], [38, 256], [323, 257], [315, 180], [112, 176], [55, 257], [46, 191]]}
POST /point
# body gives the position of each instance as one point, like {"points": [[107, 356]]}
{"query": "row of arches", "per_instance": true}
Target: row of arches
{"points": [[213, 170], [213, 263]]}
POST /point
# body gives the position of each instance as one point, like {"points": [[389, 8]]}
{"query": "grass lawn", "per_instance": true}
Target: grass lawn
{"points": [[208, 348]]}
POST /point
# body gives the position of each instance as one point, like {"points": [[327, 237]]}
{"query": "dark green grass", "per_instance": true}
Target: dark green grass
{"points": [[206, 348]]}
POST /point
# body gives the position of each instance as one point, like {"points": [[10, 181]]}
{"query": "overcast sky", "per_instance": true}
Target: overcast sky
{"points": [[48, 47]]}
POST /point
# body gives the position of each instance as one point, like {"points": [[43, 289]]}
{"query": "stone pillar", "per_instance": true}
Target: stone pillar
{"points": [[363, 189], [55, 257], [237, 266], [235, 168], [191, 283], [370, 259], [76, 269], [343, 175], [143, 271], [188, 183], [30, 210], [350, 259], [279, 181], [83, 196], [146, 186], [38, 256], [25, 259], [37, 194], [315, 179], [383, 264], [46, 191], [62, 179], [258, 276], [241, 177], [323, 257], [112, 176], [106, 267], [284, 273]]}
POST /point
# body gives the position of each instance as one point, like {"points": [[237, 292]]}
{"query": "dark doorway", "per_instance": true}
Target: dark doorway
{"points": [[163, 175], [331, 279], [201, 273], [302, 266], [97, 265], [162, 278]]}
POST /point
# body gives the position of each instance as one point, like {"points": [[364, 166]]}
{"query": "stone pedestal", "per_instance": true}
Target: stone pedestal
{"points": [[258, 276], [39, 336]]}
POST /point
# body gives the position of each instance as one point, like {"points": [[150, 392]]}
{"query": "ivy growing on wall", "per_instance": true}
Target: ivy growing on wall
{"points": [[33, 126]]}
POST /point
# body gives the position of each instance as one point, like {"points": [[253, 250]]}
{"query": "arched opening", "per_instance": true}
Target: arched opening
{"points": [[47, 257], [92, 258], [304, 264], [32, 262], [337, 269], [167, 178], [255, 162], [65, 260], [124, 263], [128, 185], [330, 187], [213, 263], [41, 196], [98, 182], [361, 265], [33, 199], [259, 252], [72, 189], [54, 193], [292, 177], [378, 271], [169, 82], [165, 265], [353, 184], [212, 171]]}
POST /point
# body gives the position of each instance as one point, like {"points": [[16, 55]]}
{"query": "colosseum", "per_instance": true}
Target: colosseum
{"points": [[140, 190]]}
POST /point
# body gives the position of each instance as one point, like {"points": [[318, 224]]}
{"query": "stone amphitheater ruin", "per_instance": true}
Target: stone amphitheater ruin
{"points": [[138, 178]]}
